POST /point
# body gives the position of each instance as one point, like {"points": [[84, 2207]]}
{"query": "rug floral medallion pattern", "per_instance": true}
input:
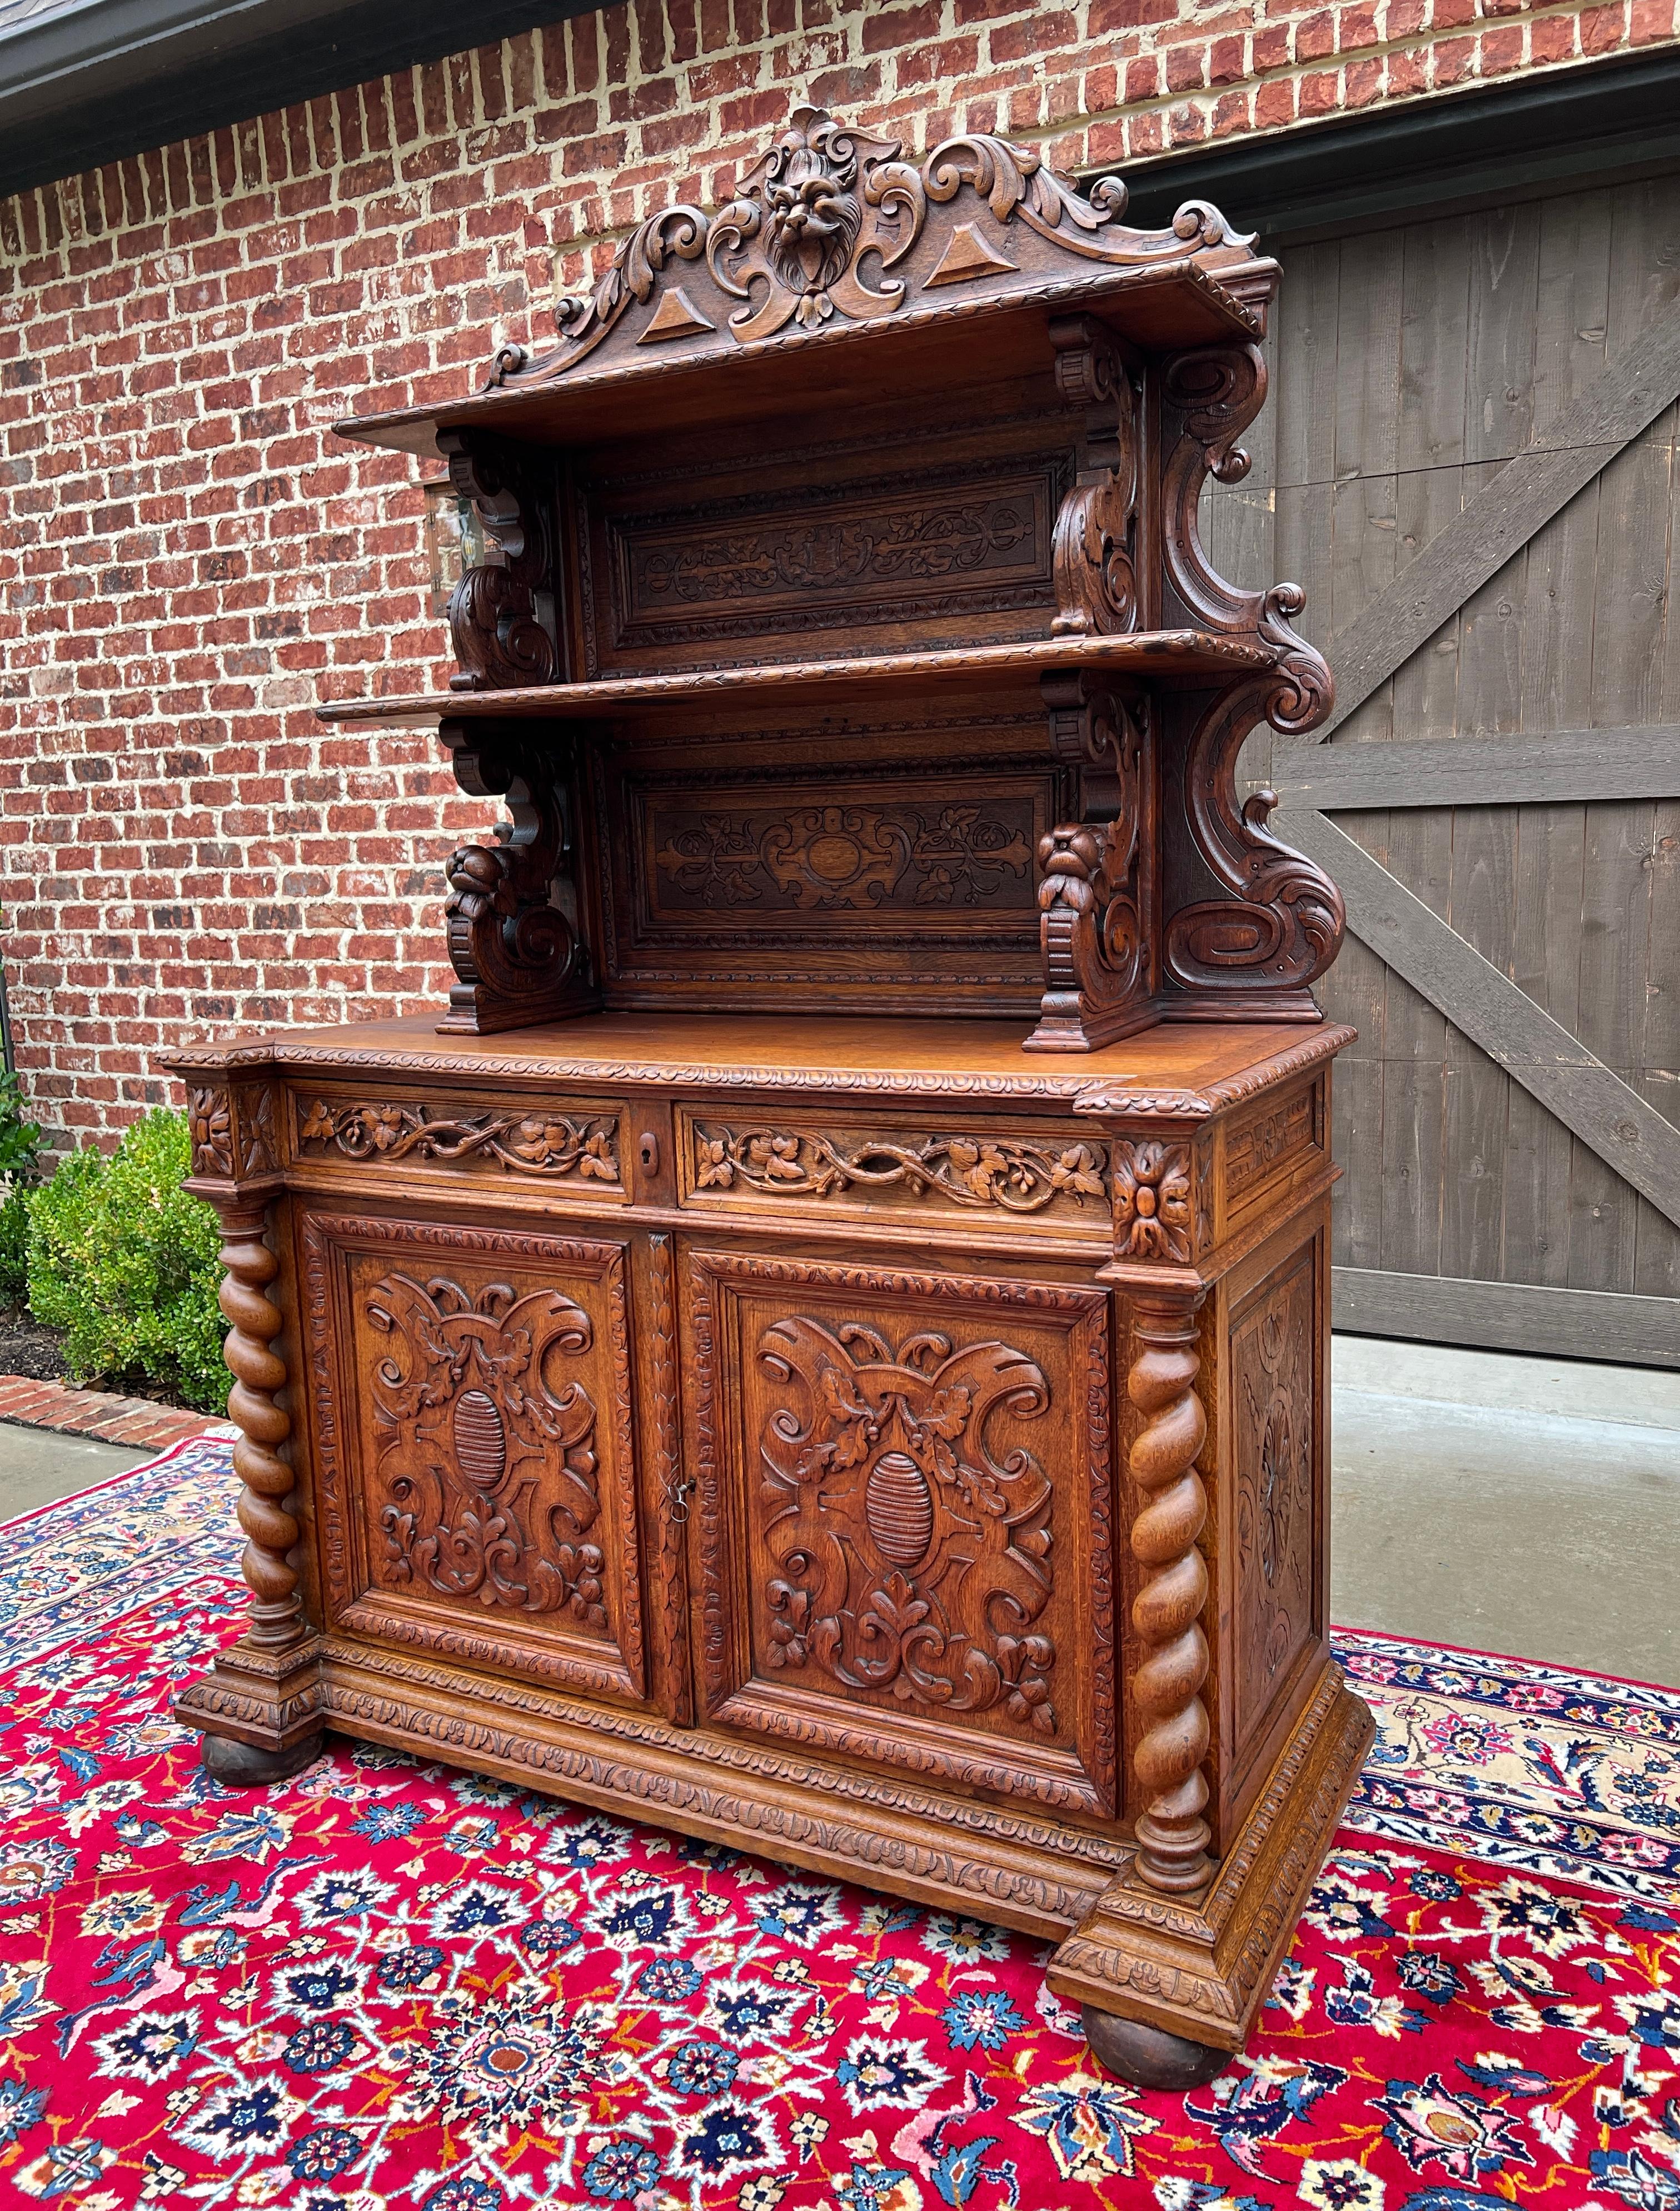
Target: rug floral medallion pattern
{"points": [[390, 1983]]}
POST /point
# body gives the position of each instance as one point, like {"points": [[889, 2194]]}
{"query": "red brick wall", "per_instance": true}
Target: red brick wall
{"points": [[187, 558]]}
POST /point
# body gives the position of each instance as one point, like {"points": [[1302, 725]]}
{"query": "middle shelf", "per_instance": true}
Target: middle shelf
{"points": [[1184, 654]]}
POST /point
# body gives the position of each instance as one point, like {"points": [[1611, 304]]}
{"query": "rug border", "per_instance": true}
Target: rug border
{"points": [[124, 1474], [1508, 1657]]}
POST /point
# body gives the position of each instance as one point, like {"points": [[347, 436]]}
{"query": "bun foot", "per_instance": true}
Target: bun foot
{"points": [[1148, 2056], [238, 1765]]}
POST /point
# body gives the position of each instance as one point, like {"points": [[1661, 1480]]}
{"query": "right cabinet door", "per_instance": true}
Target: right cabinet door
{"points": [[904, 1517]]}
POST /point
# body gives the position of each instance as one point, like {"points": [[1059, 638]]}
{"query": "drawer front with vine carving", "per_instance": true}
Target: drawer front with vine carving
{"points": [[987, 1174], [569, 1148], [1269, 1142], [471, 1412], [902, 1517]]}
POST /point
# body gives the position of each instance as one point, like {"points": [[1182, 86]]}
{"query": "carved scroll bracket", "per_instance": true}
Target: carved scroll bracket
{"points": [[1095, 544], [1280, 924], [501, 614], [518, 955], [1283, 925], [1096, 897]]}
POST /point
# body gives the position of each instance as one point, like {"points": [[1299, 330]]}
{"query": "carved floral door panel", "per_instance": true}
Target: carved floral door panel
{"points": [[472, 1431], [903, 1518]]}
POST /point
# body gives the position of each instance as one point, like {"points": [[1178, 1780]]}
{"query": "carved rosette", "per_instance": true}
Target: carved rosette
{"points": [[232, 1128], [519, 957], [1172, 1741], [1096, 892], [501, 614], [1153, 1212]]}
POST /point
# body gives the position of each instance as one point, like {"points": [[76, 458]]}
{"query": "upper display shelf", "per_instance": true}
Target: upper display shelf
{"points": [[951, 266], [1185, 654]]}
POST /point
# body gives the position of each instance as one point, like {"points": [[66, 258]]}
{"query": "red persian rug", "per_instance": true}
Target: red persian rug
{"points": [[387, 1983]]}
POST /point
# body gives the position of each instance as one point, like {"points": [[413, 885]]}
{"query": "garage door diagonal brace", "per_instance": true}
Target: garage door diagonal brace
{"points": [[1623, 399], [1497, 1014]]}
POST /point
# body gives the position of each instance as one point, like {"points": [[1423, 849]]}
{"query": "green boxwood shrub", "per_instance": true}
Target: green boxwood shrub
{"points": [[20, 1142], [123, 1260]]}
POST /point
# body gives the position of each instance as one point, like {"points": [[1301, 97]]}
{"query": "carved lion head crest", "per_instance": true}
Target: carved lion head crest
{"points": [[812, 211]]}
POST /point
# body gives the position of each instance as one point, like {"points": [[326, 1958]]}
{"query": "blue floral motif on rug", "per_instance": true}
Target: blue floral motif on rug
{"points": [[387, 1983]]}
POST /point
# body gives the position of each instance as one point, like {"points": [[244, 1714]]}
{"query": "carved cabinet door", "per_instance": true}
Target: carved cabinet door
{"points": [[903, 1518], [471, 1416]]}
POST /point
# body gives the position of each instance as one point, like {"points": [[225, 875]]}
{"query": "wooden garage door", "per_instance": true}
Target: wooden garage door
{"points": [[1470, 465]]}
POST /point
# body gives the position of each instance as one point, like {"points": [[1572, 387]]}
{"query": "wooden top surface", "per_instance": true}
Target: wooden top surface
{"points": [[1182, 1070], [1173, 652]]}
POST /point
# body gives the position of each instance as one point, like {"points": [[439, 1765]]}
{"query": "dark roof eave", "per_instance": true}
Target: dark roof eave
{"points": [[80, 86]]}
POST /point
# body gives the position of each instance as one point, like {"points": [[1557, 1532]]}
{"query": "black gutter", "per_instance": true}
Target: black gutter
{"points": [[90, 84], [1591, 123]]}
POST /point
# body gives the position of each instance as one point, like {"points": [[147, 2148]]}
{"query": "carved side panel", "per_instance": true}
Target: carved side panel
{"points": [[477, 1386], [1272, 1408], [1270, 1139], [905, 1484]]}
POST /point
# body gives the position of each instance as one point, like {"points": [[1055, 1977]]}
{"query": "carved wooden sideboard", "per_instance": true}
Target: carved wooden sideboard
{"points": [[823, 1344]]}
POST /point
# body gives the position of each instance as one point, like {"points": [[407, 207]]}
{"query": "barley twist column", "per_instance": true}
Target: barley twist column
{"points": [[1172, 1834], [275, 1617]]}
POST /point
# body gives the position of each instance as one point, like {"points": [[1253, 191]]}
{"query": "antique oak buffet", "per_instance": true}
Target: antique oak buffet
{"points": [[824, 1345]]}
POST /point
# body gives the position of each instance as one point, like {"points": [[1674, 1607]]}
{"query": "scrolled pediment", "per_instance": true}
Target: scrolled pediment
{"points": [[831, 226]]}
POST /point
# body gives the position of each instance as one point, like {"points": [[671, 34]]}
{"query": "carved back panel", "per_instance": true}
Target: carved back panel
{"points": [[471, 1409], [868, 540], [904, 1514], [898, 866]]}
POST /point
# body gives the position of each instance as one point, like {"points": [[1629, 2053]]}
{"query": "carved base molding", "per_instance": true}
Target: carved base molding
{"points": [[267, 1702], [1200, 1969], [1196, 1969]]}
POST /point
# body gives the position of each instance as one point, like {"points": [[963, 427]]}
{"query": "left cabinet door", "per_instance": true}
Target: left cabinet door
{"points": [[469, 1410]]}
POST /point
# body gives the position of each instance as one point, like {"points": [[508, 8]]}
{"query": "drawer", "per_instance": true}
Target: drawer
{"points": [[1051, 1178], [572, 1149]]}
